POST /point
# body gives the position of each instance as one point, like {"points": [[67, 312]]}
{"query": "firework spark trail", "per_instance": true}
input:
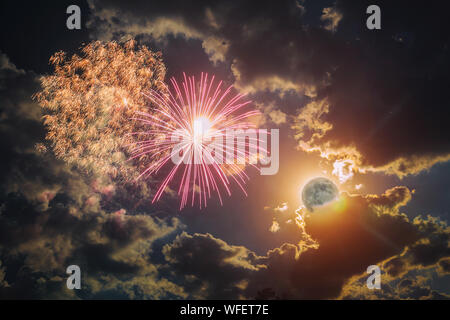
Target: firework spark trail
{"points": [[89, 99], [189, 111]]}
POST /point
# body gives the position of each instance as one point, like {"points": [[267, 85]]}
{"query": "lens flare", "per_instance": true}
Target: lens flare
{"points": [[198, 114]]}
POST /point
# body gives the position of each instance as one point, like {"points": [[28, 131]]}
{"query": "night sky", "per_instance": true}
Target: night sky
{"points": [[367, 109]]}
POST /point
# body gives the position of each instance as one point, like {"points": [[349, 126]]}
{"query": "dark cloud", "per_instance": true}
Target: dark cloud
{"points": [[52, 216], [240, 33], [211, 268], [444, 265], [291, 271], [427, 252], [382, 232], [110, 248], [387, 94], [411, 287]]}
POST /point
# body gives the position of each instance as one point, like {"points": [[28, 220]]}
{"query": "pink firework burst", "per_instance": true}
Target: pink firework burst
{"points": [[189, 125]]}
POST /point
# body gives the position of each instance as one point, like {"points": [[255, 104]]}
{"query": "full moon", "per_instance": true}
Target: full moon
{"points": [[319, 191]]}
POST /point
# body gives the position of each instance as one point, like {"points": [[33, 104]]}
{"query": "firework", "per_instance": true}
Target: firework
{"points": [[197, 113], [89, 102]]}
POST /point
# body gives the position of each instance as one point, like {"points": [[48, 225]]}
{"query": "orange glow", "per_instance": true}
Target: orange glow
{"points": [[340, 204]]}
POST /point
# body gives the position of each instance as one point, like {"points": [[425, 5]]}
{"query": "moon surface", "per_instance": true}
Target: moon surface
{"points": [[319, 191]]}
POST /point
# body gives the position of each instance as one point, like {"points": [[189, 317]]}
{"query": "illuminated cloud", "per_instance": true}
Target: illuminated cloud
{"points": [[277, 116], [444, 266], [107, 26], [412, 287], [216, 49], [312, 132], [426, 253], [282, 208], [331, 16], [275, 227], [223, 37], [343, 169], [270, 83]]}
